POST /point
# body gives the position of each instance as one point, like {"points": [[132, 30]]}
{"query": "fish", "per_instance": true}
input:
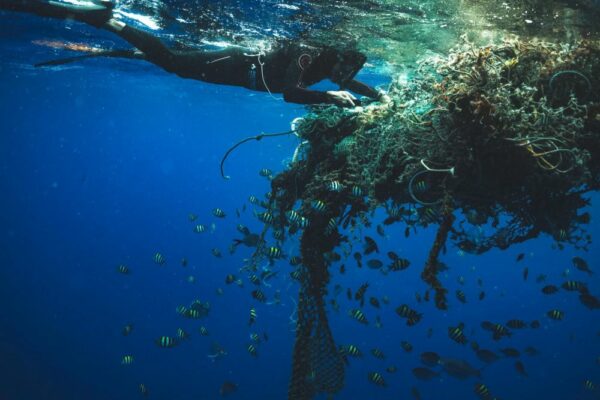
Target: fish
{"points": [[535, 324], [540, 278], [406, 346], [358, 316], [342, 269], [184, 262], [335, 186], [203, 331], [589, 301], [192, 217], [357, 191], [575, 286], [589, 385], [358, 257], [424, 374], [127, 360], [143, 390], [252, 350], [199, 228], [412, 317], [370, 246], [295, 261], [349, 293], [510, 352], [520, 257], [123, 269], [377, 353], [217, 212], [482, 391], [378, 323], [520, 368], [487, 356], [549, 289], [380, 231], [531, 351], [481, 295], [498, 330], [581, 265], [319, 206], [274, 252], [556, 315], [429, 358], [459, 369], [182, 335], [265, 173], [127, 329], [216, 252], [360, 293], [377, 379], [165, 342], [525, 273], [265, 217], [456, 333], [249, 240], [253, 200], [331, 226], [350, 350], [159, 259], [229, 279], [374, 302], [391, 369], [399, 264], [374, 264], [460, 295], [415, 393], [253, 316], [227, 388], [516, 324], [259, 295]]}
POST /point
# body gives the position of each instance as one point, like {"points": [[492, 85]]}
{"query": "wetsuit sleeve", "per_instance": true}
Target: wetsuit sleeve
{"points": [[295, 91], [362, 89]]}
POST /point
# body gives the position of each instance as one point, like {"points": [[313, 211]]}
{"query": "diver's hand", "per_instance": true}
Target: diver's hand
{"points": [[342, 98], [383, 97]]}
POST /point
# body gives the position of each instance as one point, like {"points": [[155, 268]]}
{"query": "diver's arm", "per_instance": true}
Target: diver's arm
{"points": [[362, 89], [302, 95]]}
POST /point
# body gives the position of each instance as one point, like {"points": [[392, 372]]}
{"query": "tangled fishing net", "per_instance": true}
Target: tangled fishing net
{"points": [[506, 136]]}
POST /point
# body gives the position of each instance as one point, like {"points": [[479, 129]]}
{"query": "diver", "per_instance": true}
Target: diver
{"points": [[288, 69]]}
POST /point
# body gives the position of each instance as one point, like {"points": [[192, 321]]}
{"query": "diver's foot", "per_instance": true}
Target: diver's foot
{"points": [[95, 13]]}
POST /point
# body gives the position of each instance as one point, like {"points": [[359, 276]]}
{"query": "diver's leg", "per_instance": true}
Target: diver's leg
{"points": [[153, 48], [95, 13]]}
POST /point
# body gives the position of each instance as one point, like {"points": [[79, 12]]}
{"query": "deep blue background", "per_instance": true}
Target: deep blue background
{"points": [[100, 164]]}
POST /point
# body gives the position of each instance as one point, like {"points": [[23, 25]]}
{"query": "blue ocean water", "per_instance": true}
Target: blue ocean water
{"points": [[100, 164]]}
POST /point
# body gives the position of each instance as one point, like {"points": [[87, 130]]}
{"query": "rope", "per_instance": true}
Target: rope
{"points": [[257, 138]]}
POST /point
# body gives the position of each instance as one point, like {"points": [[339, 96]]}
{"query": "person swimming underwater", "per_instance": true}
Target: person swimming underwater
{"points": [[289, 69]]}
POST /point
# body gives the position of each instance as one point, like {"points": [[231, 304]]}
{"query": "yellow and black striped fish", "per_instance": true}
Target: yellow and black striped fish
{"points": [[143, 390], [318, 206], [203, 331], [274, 252], [217, 212], [259, 295], [556, 315], [358, 315], [127, 360], [165, 342], [159, 259], [200, 228], [127, 329], [377, 353], [252, 350], [123, 269], [377, 379], [589, 385], [456, 333], [182, 335], [253, 316], [350, 350]]}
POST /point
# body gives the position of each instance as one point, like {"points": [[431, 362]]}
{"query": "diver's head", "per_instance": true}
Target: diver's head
{"points": [[346, 66]]}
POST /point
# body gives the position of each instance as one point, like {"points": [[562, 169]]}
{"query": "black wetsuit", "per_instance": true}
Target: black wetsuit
{"points": [[288, 69]]}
